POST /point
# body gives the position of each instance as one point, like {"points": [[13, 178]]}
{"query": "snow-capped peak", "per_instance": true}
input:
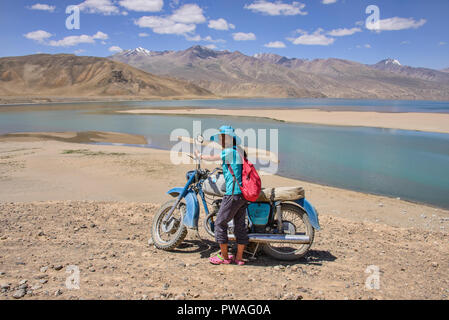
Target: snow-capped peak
{"points": [[392, 61], [138, 52]]}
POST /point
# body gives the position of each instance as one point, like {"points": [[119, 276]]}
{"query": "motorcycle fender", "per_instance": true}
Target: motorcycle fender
{"points": [[192, 214], [309, 209]]}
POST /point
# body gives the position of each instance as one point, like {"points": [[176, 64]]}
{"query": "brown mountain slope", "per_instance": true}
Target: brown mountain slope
{"points": [[65, 75], [225, 73], [228, 73]]}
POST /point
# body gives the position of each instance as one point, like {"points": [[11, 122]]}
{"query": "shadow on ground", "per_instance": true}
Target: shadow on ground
{"points": [[206, 248]]}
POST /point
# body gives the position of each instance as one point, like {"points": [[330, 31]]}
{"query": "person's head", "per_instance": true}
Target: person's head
{"points": [[226, 141], [226, 138]]}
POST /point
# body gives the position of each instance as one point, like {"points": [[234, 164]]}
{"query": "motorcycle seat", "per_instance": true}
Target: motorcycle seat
{"points": [[281, 194]]}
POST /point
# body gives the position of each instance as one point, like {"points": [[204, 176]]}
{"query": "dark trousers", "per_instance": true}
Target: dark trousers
{"points": [[232, 207]]}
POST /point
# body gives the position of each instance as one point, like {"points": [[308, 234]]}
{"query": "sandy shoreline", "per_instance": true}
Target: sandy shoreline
{"points": [[91, 206], [13, 100], [75, 137], [429, 122]]}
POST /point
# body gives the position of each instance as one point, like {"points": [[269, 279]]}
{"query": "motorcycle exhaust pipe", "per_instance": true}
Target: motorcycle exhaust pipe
{"points": [[277, 238]]}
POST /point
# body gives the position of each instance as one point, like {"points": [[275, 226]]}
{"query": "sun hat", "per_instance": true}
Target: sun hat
{"points": [[227, 130]]}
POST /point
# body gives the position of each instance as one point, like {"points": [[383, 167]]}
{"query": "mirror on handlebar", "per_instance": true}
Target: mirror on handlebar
{"points": [[200, 139]]}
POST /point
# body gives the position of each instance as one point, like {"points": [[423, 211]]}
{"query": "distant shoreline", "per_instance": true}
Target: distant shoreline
{"points": [[413, 121], [70, 100]]}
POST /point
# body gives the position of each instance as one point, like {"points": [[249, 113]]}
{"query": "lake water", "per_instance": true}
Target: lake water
{"points": [[398, 163]]}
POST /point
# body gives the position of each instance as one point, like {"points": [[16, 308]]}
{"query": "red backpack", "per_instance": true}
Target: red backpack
{"points": [[251, 183]]}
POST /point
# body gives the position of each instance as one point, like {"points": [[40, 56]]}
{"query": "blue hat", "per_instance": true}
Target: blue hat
{"points": [[228, 130]]}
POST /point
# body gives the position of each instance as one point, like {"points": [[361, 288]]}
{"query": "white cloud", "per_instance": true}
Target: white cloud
{"points": [[142, 5], [275, 44], [211, 46], [38, 35], [368, 46], [188, 13], [115, 49], [164, 25], [343, 32], [194, 38], [316, 38], [43, 7], [220, 24], [207, 39], [105, 7], [100, 35], [72, 41], [75, 40], [143, 34], [79, 51], [405, 42], [241, 36], [396, 23], [277, 8], [181, 22], [328, 1], [442, 43]]}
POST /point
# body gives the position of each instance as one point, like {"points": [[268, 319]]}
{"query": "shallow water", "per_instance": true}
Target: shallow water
{"points": [[398, 163]]}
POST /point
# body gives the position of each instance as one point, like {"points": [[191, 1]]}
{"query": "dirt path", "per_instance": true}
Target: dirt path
{"points": [[108, 243]]}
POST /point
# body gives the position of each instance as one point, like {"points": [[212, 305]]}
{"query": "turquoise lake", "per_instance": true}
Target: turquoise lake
{"points": [[411, 165]]}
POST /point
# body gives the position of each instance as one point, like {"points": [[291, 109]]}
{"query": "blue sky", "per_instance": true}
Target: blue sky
{"points": [[413, 31]]}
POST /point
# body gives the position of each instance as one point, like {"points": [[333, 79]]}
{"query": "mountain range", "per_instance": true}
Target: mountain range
{"points": [[68, 76], [200, 72], [234, 74]]}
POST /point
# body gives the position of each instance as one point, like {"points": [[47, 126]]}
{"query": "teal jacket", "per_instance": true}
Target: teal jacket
{"points": [[231, 156]]}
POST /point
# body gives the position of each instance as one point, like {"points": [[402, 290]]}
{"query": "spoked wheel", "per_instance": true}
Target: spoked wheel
{"points": [[169, 235], [294, 221], [209, 224]]}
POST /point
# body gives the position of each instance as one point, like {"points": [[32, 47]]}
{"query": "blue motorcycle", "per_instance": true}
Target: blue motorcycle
{"points": [[281, 222]]}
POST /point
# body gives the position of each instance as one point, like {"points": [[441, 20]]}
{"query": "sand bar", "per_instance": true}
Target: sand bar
{"points": [[76, 137], [429, 122]]}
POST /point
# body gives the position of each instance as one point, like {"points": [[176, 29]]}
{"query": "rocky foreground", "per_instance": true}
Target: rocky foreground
{"points": [[43, 242]]}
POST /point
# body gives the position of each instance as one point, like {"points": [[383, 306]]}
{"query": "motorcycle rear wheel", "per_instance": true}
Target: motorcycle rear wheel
{"points": [[292, 216], [178, 231]]}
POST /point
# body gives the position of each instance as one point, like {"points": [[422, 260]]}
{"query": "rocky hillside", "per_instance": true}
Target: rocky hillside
{"points": [[224, 73], [66, 75], [395, 66], [228, 73]]}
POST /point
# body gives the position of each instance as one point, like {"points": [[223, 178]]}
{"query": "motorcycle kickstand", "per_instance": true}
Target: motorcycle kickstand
{"points": [[253, 254], [197, 235]]}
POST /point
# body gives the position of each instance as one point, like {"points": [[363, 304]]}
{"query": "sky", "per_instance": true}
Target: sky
{"points": [[415, 32]]}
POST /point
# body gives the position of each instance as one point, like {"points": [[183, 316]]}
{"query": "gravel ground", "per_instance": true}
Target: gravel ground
{"points": [[107, 242]]}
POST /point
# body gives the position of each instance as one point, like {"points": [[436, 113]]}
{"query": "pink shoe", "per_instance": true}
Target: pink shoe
{"points": [[218, 259], [239, 262]]}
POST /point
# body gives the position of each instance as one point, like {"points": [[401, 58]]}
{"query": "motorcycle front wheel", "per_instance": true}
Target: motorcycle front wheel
{"points": [[295, 221], [168, 236]]}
